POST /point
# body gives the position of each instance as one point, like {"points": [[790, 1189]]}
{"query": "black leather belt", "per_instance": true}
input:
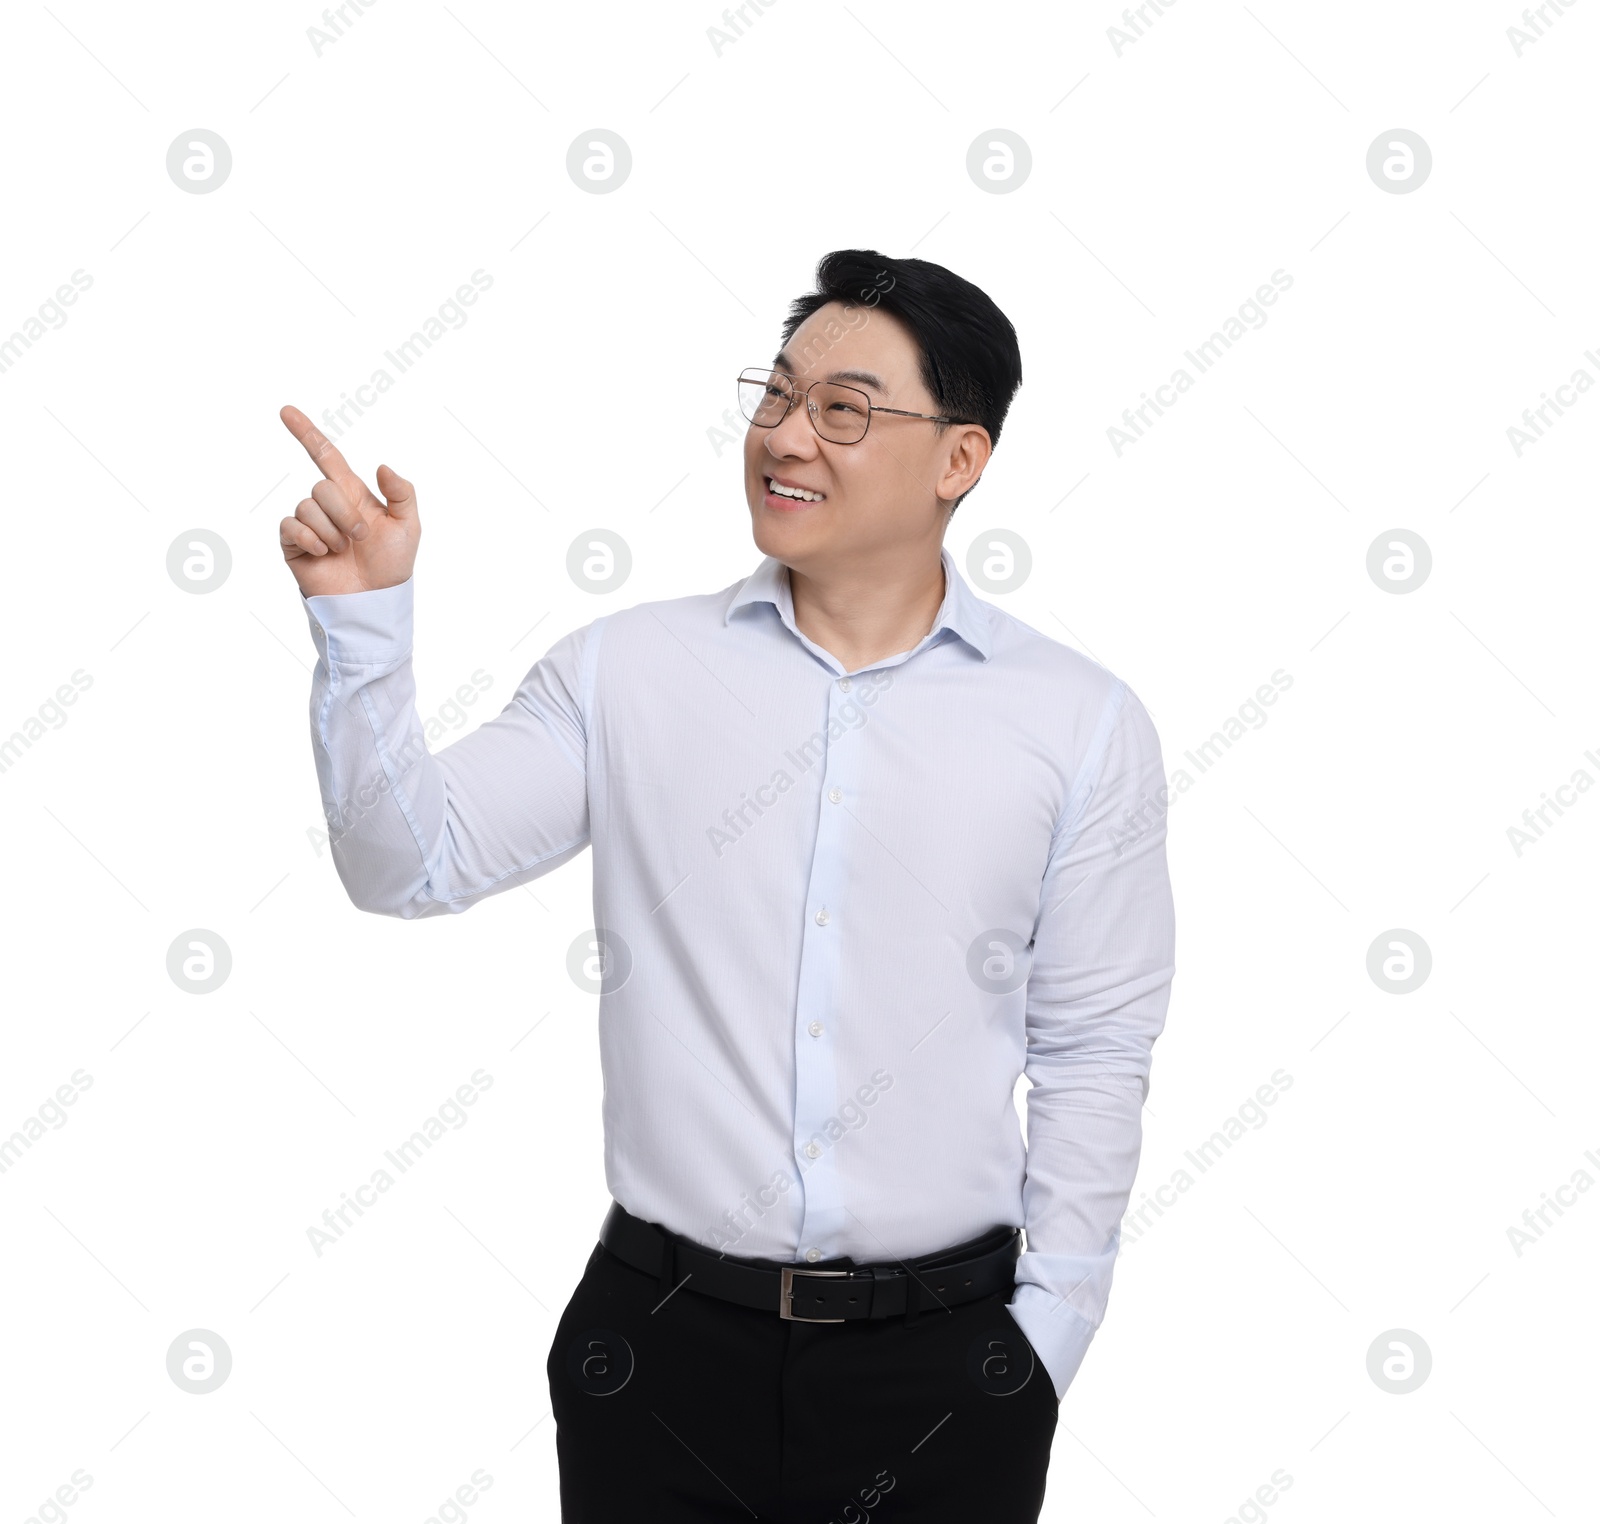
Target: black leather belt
{"points": [[829, 1291]]}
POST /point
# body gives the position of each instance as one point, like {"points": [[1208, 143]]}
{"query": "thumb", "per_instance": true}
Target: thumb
{"points": [[398, 493]]}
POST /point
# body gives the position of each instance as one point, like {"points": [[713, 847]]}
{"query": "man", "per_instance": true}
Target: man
{"points": [[866, 849]]}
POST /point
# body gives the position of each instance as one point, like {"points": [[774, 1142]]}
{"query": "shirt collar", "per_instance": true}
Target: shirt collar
{"points": [[962, 612]]}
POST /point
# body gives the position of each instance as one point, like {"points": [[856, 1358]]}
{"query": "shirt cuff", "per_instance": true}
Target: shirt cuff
{"points": [[1059, 1335], [370, 626]]}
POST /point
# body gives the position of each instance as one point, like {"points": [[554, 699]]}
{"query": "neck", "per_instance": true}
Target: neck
{"points": [[871, 609]]}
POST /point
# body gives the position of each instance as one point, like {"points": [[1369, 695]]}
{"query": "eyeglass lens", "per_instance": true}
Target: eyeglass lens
{"points": [[839, 413]]}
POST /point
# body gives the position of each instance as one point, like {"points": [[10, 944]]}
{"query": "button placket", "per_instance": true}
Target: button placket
{"points": [[817, 1085]]}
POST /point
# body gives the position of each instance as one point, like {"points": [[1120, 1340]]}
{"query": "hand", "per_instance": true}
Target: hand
{"points": [[342, 539]]}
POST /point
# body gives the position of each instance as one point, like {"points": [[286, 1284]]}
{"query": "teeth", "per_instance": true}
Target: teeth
{"points": [[796, 492]]}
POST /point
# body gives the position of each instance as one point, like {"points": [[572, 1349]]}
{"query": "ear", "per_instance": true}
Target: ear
{"points": [[967, 448]]}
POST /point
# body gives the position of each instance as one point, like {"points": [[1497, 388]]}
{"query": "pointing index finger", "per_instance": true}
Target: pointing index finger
{"points": [[321, 450]]}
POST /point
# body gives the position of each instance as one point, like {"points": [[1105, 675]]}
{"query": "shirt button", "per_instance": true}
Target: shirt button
{"points": [[822, 918], [835, 794], [844, 685], [813, 1255], [812, 1150], [815, 1029]]}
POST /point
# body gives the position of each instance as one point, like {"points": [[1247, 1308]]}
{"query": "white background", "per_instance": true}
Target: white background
{"points": [[1168, 181]]}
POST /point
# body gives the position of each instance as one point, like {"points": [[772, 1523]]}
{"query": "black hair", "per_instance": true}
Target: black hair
{"points": [[971, 363]]}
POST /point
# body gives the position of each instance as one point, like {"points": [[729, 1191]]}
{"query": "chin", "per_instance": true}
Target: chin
{"points": [[785, 539]]}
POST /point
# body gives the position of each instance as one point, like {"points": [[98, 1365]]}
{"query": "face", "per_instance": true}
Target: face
{"points": [[867, 500]]}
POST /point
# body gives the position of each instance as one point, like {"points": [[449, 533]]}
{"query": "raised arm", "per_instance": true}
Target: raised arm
{"points": [[413, 833]]}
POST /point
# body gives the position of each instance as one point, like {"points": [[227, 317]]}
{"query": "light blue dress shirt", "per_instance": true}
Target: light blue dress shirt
{"points": [[838, 915]]}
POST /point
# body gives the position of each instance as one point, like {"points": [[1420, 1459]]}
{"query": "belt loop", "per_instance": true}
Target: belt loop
{"points": [[667, 1247], [883, 1277], [913, 1297]]}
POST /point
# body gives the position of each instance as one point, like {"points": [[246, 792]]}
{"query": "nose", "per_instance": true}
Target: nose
{"points": [[794, 438]]}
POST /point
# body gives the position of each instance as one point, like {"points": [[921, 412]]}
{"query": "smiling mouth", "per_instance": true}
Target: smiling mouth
{"points": [[793, 494]]}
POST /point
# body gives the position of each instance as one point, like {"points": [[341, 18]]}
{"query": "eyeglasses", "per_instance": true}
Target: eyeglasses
{"points": [[838, 413]]}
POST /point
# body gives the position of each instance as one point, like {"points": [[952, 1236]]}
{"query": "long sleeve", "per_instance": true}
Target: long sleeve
{"points": [[414, 833], [1097, 1000]]}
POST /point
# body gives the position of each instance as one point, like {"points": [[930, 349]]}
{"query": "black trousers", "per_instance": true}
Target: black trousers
{"points": [[696, 1409]]}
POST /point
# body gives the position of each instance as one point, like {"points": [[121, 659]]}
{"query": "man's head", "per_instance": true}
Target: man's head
{"points": [[906, 335]]}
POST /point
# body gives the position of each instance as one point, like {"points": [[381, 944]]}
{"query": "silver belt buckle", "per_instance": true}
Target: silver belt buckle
{"points": [[786, 1293]]}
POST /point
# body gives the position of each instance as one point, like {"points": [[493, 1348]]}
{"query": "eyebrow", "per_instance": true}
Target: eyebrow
{"points": [[860, 377]]}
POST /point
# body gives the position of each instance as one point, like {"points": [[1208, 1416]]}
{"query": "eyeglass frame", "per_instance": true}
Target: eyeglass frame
{"points": [[797, 392]]}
